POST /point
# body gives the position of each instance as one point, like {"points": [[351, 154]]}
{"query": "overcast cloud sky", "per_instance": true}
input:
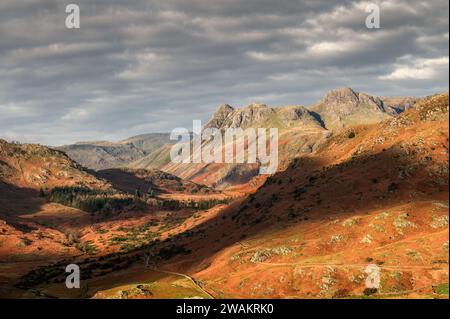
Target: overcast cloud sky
{"points": [[140, 66]]}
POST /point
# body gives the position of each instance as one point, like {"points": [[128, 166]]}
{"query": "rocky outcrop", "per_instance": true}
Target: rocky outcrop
{"points": [[35, 166], [344, 107], [261, 116], [339, 108]]}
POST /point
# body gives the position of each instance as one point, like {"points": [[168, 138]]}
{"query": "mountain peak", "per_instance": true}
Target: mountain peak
{"points": [[345, 107], [258, 115], [220, 115], [341, 96], [255, 105], [224, 108]]}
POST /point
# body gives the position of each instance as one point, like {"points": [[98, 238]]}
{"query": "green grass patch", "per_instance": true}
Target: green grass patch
{"points": [[441, 289]]}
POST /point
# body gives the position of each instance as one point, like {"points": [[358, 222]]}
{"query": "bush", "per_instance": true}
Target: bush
{"points": [[87, 247]]}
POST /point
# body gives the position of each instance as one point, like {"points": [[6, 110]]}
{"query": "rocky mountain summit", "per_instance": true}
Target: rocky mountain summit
{"points": [[344, 107], [339, 108], [260, 115]]}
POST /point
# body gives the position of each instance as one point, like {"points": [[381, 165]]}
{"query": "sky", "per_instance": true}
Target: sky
{"points": [[141, 66]]}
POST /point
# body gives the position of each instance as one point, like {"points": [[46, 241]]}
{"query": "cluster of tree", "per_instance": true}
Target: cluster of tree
{"points": [[191, 204], [93, 201], [88, 200], [66, 194]]}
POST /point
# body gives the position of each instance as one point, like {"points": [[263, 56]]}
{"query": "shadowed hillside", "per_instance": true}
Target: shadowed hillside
{"points": [[371, 194]]}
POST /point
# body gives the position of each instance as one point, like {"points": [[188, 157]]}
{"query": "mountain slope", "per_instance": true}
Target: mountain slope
{"points": [[156, 159], [344, 107], [299, 132], [35, 166], [372, 194], [52, 209], [103, 155], [32, 229], [140, 180]]}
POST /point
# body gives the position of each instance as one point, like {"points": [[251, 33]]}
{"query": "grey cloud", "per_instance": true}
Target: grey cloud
{"points": [[141, 66]]}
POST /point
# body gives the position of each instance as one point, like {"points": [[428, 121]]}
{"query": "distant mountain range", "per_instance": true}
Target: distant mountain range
{"points": [[347, 195], [104, 155], [301, 128]]}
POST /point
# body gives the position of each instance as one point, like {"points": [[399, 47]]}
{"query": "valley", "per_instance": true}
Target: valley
{"points": [[361, 180]]}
